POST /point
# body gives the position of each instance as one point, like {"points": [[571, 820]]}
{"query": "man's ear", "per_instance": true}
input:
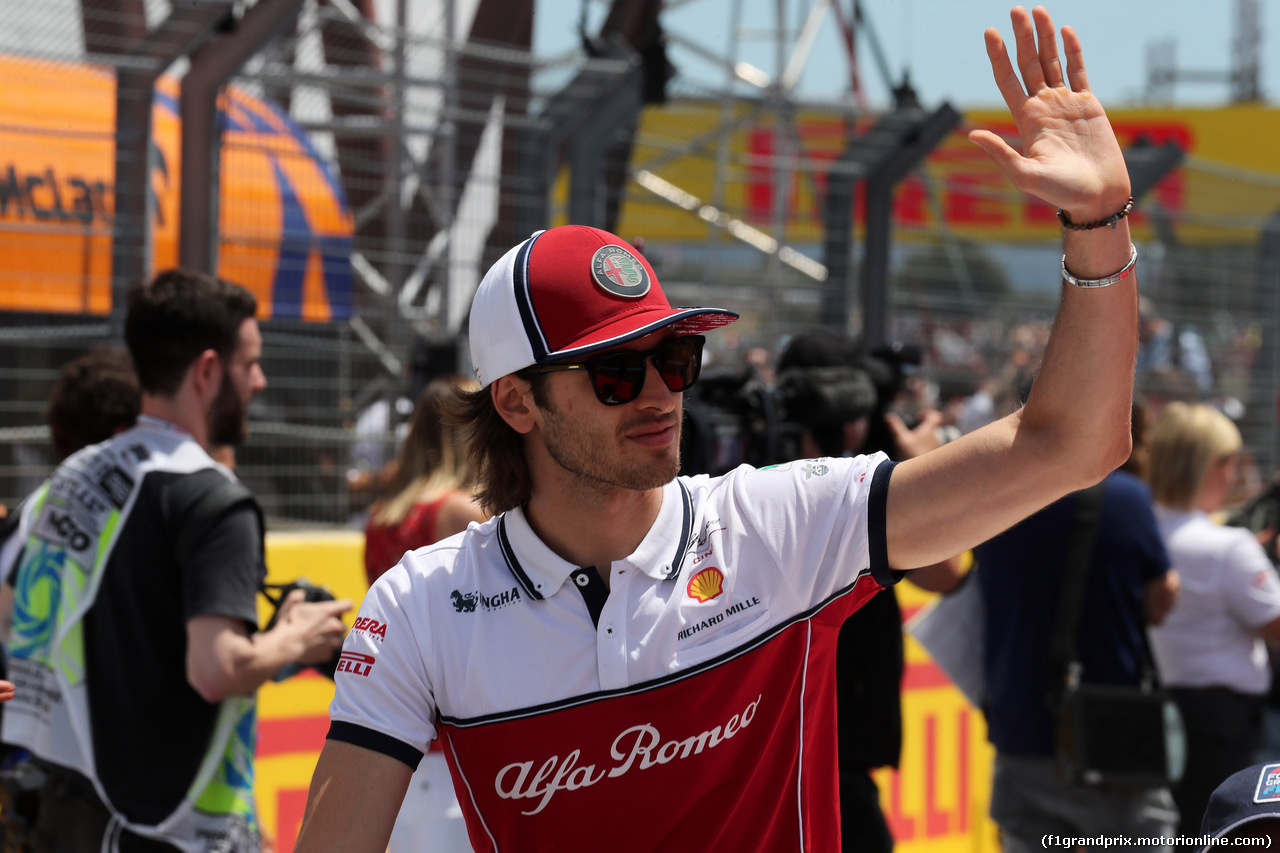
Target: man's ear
{"points": [[205, 374], [513, 398]]}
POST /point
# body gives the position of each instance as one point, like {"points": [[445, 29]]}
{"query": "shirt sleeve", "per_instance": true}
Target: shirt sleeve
{"points": [[384, 699], [1249, 583], [224, 567], [822, 521]]}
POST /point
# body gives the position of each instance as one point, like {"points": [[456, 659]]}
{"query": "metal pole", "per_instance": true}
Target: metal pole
{"points": [[397, 226], [1269, 355], [183, 31], [210, 69], [450, 159], [782, 150], [875, 264], [711, 266]]}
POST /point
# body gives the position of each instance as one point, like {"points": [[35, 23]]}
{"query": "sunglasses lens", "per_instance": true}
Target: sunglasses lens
{"points": [[618, 377], [679, 363]]}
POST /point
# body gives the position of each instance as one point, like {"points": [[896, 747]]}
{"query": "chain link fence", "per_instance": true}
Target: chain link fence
{"points": [[370, 172]]}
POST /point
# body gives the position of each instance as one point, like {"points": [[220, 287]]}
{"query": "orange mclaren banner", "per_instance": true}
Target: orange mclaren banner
{"points": [[284, 226], [958, 187], [935, 803]]}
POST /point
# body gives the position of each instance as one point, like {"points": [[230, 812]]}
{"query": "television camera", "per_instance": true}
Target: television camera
{"points": [[733, 417]]}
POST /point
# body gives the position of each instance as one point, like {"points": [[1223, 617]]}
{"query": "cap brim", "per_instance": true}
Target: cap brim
{"points": [[1236, 824], [686, 321]]}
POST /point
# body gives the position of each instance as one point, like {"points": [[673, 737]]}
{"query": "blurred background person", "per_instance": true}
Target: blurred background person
{"points": [[1129, 586], [1210, 650], [430, 499], [166, 608], [94, 397], [844, 410]]}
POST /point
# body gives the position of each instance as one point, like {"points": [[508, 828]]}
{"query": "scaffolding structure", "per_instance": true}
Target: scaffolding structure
{"points": [[448, 139]]}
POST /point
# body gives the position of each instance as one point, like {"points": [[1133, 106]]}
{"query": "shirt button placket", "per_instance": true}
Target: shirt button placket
{"points": [[612, 640]]}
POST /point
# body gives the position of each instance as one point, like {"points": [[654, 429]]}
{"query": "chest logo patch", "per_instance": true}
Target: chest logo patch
{"points": [[706, 584], [467, 602]]}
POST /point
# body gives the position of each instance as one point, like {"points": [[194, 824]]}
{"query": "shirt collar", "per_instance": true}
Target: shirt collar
{"points": [[542, 572], [161, 424]]}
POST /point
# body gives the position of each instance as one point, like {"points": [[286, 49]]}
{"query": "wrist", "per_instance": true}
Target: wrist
{"points": [[1071, 224], [1105, 281], [1101, 208], [1097, 253]]}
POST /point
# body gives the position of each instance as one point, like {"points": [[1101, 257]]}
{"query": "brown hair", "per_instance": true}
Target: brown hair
{"points": [[178, 315], [95, 395], [495, 450], [433, 459]]}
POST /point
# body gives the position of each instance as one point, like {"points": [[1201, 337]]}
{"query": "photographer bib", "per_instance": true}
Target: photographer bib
{"points": [[75, 522]]}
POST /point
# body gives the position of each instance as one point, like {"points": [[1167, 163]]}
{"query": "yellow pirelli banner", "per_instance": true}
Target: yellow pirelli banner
{"points": [[935, 802], [293, 715], [694, 158]]}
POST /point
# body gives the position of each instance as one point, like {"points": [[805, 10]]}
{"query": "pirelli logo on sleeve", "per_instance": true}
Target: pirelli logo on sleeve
{"points": [[356, 663]]}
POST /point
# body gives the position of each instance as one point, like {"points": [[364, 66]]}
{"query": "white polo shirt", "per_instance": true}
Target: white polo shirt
{"points": [[691, 705], [1228, 591]]}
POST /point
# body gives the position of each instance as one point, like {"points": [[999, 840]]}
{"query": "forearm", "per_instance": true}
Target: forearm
{"points": [[1077, 415], [353, 802], [224, 659]]}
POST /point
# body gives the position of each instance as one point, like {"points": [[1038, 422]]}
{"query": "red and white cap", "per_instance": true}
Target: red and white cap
{"points": [[568, 292]]}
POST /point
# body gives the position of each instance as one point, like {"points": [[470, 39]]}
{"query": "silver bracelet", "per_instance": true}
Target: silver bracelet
{"points": [[1124, 273]]}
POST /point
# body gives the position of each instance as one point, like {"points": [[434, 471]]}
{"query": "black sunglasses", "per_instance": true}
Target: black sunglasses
{"points": [[617, 377]]}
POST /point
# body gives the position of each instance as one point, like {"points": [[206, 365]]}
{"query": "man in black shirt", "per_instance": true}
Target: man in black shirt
{"points": [[134, 646]]}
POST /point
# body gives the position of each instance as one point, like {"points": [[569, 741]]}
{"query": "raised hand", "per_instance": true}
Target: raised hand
{"points": [[1070, 157]]}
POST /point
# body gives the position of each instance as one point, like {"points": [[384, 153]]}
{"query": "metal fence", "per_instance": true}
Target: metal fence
{"points": [[446, 150]]}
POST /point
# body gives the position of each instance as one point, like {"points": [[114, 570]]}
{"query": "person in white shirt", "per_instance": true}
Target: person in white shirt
{"points": [[1211, 649]]}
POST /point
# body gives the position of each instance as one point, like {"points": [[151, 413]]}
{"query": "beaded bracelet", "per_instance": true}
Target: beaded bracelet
{"points": [[1089, 226], [1124, 273]]}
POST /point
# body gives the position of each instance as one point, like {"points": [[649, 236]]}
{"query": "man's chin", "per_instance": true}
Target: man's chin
{"points": [[229, 436]]}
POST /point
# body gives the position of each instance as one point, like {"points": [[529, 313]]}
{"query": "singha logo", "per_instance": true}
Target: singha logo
{"points": [[469, 602]]}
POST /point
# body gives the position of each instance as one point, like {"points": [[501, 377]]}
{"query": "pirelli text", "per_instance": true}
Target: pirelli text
{"points": [[1194, 841]]}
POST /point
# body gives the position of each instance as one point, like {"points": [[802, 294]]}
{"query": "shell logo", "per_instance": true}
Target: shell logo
{"points": [[706, 584]]}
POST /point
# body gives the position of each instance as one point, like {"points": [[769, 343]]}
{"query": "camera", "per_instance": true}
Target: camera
{"points": [[311, 592], [823, 383]]}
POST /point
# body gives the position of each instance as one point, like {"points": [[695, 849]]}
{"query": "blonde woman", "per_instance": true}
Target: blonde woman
{"points": [[1211, 649], [430, 497]]}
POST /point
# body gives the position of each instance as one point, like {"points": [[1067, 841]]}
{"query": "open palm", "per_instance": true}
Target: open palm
{"points": [[1070, 157]]}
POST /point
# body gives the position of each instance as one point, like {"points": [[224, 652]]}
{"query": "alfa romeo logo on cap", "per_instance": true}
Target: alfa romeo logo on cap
{"points": [[619, 272]]}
